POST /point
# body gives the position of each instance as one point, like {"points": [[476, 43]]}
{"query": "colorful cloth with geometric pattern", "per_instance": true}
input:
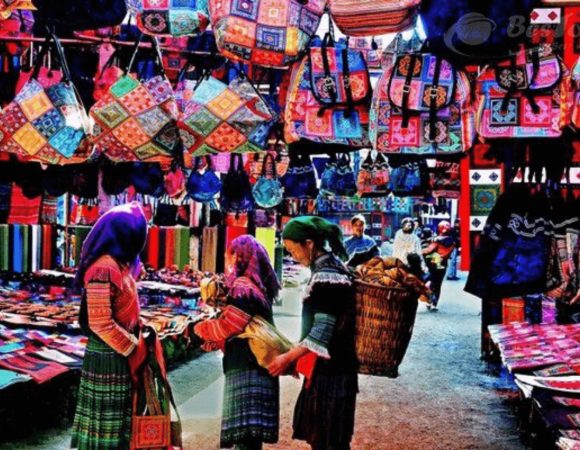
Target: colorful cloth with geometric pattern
{"points": [[47, 125], [527, 97], [173, 17], [137, 121], [576, 85], [221, 118], [270, 33], [329, 98], [422, 105]]}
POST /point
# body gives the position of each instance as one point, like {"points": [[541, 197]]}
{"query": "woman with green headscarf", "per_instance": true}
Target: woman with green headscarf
{"points": [[324, 413]]}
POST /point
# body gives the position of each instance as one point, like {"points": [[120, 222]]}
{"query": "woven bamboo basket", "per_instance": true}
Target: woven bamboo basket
{"points": [[385, 317]]}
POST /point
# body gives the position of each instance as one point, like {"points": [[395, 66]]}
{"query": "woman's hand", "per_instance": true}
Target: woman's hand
{"points": [[137, 358], [280, 364]]}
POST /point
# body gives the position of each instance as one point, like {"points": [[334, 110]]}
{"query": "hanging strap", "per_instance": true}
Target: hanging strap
{"points": [[66, 76], [407, 89], [433, 99], [346, 80]]}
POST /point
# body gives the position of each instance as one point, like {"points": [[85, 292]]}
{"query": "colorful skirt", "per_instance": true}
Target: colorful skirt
{"points": [[103, 415], [251, 409], [324, 413]]}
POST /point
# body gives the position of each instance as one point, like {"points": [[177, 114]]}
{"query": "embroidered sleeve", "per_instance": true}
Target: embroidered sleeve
{"points": [[101, 320], [320, 335], [231, 322]]}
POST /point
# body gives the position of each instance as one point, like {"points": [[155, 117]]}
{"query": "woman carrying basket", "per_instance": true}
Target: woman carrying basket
{"points": [[251, 399], [324, 414]]}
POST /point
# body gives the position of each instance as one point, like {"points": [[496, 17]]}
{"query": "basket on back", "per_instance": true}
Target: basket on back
{"points": [[385, 317]]}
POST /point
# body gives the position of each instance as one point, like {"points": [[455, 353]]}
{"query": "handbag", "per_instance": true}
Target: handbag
{"points": [[338, 178], [203, 187], [268, 192], [373, 17], [408, 179], [46, 124], [329, 96], [137, 120], [265, 341], [173, 17], [236, 193], [230, 118], [373, 176], [526, 96], [265, 33], [422, 105], [300, 179]]}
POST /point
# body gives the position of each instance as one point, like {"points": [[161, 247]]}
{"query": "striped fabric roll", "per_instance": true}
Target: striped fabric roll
{"points": [[373, 17]]}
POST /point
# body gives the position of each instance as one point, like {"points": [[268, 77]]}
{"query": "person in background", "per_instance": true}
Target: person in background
{"points": [[251, 406], [360, 247], [110, 317], [456, 233], [437, 255], [325, 410], [407, 242]]}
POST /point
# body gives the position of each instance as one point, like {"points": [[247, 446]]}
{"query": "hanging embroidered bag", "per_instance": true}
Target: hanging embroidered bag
{"points": [[46, 124], [137, 120], [236, 194], [329, 97], [267, 191], [576, 86], [173, 17], [203, 187], [222, 118], [300, 179], [373, 17], [524, 97], [270, 33], [422, 105]]}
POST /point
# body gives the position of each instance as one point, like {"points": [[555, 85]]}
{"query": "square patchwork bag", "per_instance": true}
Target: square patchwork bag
{"points": [[422, 105], [46, 124], [329, 97], [270, 33], [173, 17], [524, 97], [222, 118], [137, 120]]}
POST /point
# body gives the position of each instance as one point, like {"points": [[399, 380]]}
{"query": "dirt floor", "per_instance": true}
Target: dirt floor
{"points": [[444, 398]]}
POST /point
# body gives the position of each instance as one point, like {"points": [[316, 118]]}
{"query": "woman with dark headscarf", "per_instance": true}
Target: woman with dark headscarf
{"points": [[251, 407], [110, 317], [324, 414]]}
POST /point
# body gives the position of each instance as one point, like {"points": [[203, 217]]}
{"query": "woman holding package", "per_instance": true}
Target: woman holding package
{"points": [[324, 413], [250, 414], [110, 317]]}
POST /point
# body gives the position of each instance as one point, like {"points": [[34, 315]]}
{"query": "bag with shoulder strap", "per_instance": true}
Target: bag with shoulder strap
{"points": [[268, 192], [236, 193]]}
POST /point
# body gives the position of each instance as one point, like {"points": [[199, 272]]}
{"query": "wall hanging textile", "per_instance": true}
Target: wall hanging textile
{"points": [[268, 33], [329, 97], [27, 248], [268, 191], [203, 186], [422, 105], [46, 124], [373, 17], [23, 210], [173, 17], [300, 179], [220, 118], [209, 248], [527, 96], [236, 194], [137, 120], [449, 26]]}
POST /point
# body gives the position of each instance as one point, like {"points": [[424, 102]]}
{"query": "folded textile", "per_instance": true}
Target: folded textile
{"points": [[40, 371], [9, 377]]}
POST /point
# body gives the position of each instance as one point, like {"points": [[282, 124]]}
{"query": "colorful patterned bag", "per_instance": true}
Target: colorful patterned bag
{"points": [[137, 120], [221, 118], [268, 192], [47, 124], [373, 176], [270, 33], [373, 17], [300, 179], [576, 85], [422, 105], [236, 194], [173, 17], [329, 97], [525, 97]]}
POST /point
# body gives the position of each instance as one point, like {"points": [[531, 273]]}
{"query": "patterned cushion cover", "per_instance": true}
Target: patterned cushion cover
{"points": [[173, 17]]}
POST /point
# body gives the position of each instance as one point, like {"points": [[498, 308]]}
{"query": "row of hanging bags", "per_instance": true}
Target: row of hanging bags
{"points": [[528, 95], [225, 118], [329, 96], [47, 122], [137, 120], [422, 105]]}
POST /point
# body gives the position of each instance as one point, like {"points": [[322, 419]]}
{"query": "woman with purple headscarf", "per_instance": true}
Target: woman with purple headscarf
{"points": [[110, 317], [250, 414]]}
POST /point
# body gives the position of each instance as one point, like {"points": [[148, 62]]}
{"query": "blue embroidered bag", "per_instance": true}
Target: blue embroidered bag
{"points": [[268, 191], [300, 179], [203, 187]]}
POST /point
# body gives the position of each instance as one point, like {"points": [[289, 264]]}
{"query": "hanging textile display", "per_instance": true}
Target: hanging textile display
{"points": [[329, 97], [410, 115], [23, 210], [46, 124], [209, 247], [263, 32]]}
